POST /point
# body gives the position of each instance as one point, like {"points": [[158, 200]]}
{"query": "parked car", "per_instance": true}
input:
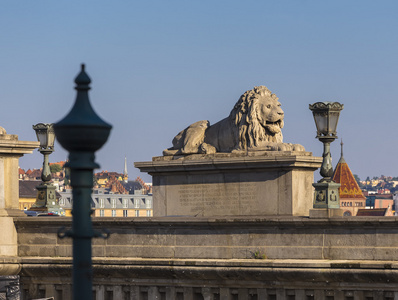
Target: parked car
{"points": [[48, 214], [31, 213]]}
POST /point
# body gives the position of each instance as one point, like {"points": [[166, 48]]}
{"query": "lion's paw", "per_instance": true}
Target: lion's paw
{"points": [[298, 147], [207, 149], [285, 147]]}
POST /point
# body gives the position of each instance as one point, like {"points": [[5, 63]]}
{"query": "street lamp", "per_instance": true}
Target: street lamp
{"points": [[326, 116], [82, 132], [46, 198]]}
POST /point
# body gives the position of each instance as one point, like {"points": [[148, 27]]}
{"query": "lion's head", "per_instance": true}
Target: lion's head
{"points": [[258, 117]]}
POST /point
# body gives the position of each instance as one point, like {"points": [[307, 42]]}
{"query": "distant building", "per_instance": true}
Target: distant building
{"points": [[375, 200], [104, 177], [395, 197], [351, 196], [125, 173], [106, 203], [113, 196], [34, 174], [384, 201], [27, 193]]}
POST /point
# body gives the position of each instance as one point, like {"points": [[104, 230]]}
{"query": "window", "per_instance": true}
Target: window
{"points": [[113, 212], [62, 202], [113, 203], [137, 203], [137, 213], [125, 213], [102, 213], [148, 213], [148, 203], [125, 203], [102, 203]]}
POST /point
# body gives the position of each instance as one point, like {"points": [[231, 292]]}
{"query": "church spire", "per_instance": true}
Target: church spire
{"points": [[341, 147], [342, 160], [125, 173], [349, 188]]}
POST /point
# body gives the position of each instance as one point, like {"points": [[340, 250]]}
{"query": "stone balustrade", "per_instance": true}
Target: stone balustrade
{"points": [[218, 258]]}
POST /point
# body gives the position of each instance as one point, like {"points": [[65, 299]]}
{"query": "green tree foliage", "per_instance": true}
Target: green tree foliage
{"points": [[67, 177], [357, 179], [55, 168]]}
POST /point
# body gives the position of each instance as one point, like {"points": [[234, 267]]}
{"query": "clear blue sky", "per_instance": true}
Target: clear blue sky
{"points": [[158, 66]]}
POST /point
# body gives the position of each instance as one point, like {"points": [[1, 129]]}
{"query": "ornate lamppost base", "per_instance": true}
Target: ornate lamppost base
{"points": [[326, 194], [46, 200], [326, 199]]}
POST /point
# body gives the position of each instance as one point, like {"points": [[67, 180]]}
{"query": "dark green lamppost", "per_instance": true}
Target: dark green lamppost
{"points": [[82, 132], [46, 199], [326, 116]]}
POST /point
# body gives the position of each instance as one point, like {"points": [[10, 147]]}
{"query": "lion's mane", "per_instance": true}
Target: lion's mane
{"points": [[244, 116]]}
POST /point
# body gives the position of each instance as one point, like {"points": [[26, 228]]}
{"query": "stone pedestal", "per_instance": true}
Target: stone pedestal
{"points": [[11, 149], [233, 184]]}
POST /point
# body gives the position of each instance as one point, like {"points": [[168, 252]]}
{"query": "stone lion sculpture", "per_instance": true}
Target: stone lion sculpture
{"points": [[254, 123]]}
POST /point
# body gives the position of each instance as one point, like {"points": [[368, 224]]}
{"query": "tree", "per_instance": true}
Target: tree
{"points": [[54, 168], [358, 180], [67, 177]]}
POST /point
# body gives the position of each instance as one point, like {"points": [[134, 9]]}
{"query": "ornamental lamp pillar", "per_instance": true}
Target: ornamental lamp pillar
{"points": [[326, 116], [82, 132]]}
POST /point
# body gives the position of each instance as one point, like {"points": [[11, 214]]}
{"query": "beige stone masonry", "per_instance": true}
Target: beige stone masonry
{"points": [[11, 149], [217, 255], [233, 184]]}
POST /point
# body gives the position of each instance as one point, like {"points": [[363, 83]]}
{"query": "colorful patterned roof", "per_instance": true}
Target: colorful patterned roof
{"points": [[349, 187]]}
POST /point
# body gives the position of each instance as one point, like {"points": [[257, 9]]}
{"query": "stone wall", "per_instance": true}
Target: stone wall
{"points": [[221, 238], [218, 258]]}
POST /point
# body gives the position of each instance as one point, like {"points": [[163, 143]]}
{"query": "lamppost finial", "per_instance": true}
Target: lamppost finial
{"points": [[82, 80]]}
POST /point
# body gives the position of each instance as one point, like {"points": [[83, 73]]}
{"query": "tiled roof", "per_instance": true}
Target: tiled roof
{"points": [[27, 188], [36, 173], [131, 186], [383, 196], [349, 187], [60, 163], [376, 212]]}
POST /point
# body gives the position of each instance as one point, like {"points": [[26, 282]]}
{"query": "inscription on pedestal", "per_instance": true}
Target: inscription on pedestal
{"points": [[230, 198]]}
